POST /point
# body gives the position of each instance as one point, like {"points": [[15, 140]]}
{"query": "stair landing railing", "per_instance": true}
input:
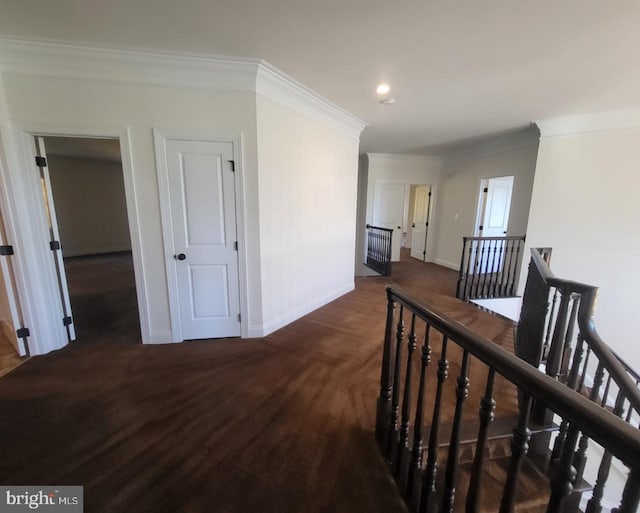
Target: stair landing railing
{"points": [[379, 249], [409, 415], [557, 333], [489, 267]]}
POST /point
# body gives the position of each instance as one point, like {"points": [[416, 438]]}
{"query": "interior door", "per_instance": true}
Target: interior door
{"points": [[493, 221], [388, 210], [54, 236], [497, 203], [10, 299], [203, 213], [421, 207]]}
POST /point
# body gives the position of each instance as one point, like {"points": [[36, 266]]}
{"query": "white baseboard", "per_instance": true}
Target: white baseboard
{"points": [[160, 337], [289, 317], [444, 263]]}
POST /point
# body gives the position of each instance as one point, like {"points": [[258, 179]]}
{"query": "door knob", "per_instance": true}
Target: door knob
{"points": [[180, 256]]}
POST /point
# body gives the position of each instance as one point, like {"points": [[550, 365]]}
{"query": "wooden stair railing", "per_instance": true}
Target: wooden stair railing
{"points": [[489, 267], [379, 249], [410, 409], [556, 331]]}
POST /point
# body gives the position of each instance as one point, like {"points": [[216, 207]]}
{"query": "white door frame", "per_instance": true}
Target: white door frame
{"points": [[160, 137], [24, 214]]}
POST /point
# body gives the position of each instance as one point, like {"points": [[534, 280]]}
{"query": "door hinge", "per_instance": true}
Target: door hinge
{"points": [[235, 245], [233, 165], [429, 193], [426, 224], [41, 161], [424, 253], [66, 321], [480, 227], [6, 250], [485, 190], [239, 317], [54, 245], [23, 333]]}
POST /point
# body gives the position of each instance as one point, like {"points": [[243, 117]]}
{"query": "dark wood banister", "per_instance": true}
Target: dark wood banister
{"points": [[609, 359], [613, 433]]}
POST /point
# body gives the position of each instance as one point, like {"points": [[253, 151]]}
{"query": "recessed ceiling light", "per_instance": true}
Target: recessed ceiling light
{"points": [[383, 89]]}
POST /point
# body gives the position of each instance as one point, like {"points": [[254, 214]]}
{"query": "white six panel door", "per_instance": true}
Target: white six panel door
{"points": [[202, 198]]}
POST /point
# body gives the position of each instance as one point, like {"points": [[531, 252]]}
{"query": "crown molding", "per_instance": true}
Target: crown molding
{"points": [[491, 145], [255, 76], [281, 88], [71, 61], [404, 157], [585, 123]]}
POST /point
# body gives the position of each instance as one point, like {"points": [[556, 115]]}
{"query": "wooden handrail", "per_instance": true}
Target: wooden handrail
{"points": [[611, 432], [389, 230]]}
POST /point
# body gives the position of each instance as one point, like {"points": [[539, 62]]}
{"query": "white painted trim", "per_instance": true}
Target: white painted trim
{"points": [[586, 123], [404, 157], [55, 59], [42, 282], [299, 312], [283, 89], [449, 265], [160, 137], [170, 69], [161, 337], [489, 146]]}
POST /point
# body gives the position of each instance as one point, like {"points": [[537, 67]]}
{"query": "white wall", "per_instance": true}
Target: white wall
{"points": [[75, 107], [406, 169], [90, 205], [459, 194], [308, 192], [585, 206]]}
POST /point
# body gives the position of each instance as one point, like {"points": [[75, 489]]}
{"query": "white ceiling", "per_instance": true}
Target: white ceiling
{"points": [[458, 69]]}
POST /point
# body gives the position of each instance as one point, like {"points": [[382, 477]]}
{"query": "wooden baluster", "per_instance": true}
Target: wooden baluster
{"points": [[580, 457], [563, 474], [427, 503], [478, 268], [585, 367], [487, 259], [487, 409], [595, 503], [383, 413], [502, 259], [461, 269], [547, 337], [554, 359], [415, 471], [519, 447], [404, 454], [568, 338], [451, 472], [605, 395], [631, 493], [392, 438], [514, 280], [508, 255], [496, 268], [467, 289]]}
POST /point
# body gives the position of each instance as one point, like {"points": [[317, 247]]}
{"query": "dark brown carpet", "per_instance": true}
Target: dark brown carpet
{"points": [[281, 424]]}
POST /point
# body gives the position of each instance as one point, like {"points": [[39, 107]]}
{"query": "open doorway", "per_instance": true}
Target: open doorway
{"points": [[406, 209], [83, 191]]}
